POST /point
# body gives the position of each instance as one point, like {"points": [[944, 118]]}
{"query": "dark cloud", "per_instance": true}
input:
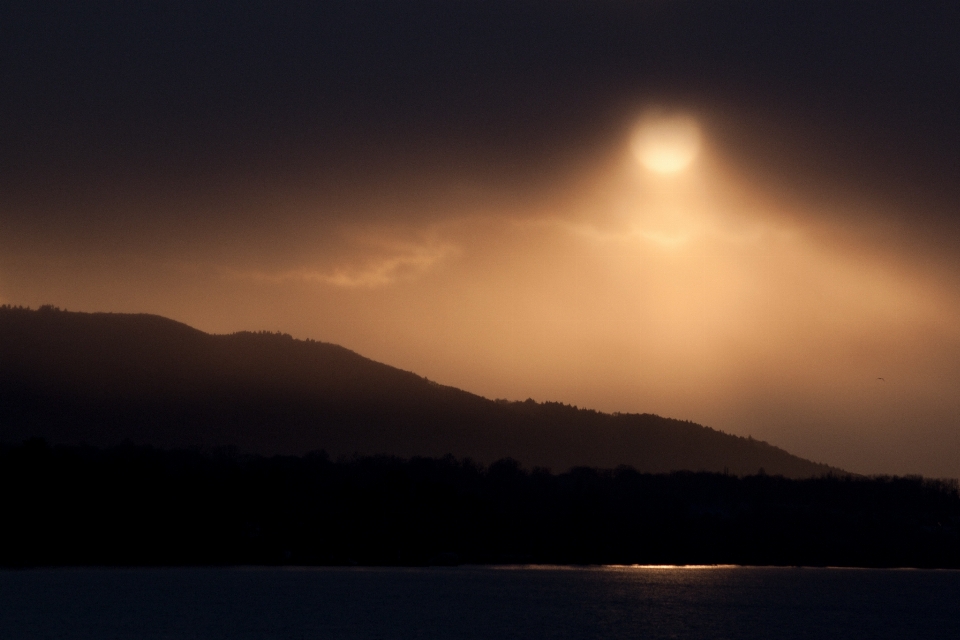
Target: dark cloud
{"points": [[187, 94]]}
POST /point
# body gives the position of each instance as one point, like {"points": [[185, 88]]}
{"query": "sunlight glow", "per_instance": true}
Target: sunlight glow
{"points": [[671, 567], [666, 144]]}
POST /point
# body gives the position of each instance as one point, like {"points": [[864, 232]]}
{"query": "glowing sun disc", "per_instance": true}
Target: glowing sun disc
{"points": [[666, 144]]}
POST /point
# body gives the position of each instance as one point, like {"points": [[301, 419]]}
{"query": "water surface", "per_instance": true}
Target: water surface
{"points": [[478, 602]]}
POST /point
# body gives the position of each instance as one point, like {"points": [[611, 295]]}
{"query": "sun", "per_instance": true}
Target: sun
{"points": [[666, 144]]}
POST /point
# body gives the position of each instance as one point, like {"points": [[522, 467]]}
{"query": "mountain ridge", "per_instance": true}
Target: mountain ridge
{"points": [[104, 378]]}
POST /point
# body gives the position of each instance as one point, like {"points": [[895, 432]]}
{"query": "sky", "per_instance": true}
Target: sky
{"points": [[741, 213]]}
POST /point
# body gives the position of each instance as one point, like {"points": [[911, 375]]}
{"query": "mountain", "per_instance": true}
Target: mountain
{"points": [[105, 378]]}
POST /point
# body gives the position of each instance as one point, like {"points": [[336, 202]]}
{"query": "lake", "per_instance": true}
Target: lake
{"points": [[478, 602]]}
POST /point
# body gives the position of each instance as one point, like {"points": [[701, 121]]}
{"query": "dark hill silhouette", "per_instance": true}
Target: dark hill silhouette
{"points": [[104, 378]]}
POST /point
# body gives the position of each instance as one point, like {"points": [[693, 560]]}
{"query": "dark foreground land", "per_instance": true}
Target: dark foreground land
{"points": [[143, 506]]}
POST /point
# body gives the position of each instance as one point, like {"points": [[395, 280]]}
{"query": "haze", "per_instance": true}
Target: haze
{"points": [[745, 218]]}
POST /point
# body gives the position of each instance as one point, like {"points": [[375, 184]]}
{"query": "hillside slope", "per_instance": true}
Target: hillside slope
{"points": [[104, 378]]}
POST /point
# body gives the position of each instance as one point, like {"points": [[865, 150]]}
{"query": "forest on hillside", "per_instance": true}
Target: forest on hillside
{"points": [[106, 378], [139, 505]]}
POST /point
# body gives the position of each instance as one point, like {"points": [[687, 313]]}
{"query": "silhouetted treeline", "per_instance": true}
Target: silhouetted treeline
{"points": [[143, 506]]}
